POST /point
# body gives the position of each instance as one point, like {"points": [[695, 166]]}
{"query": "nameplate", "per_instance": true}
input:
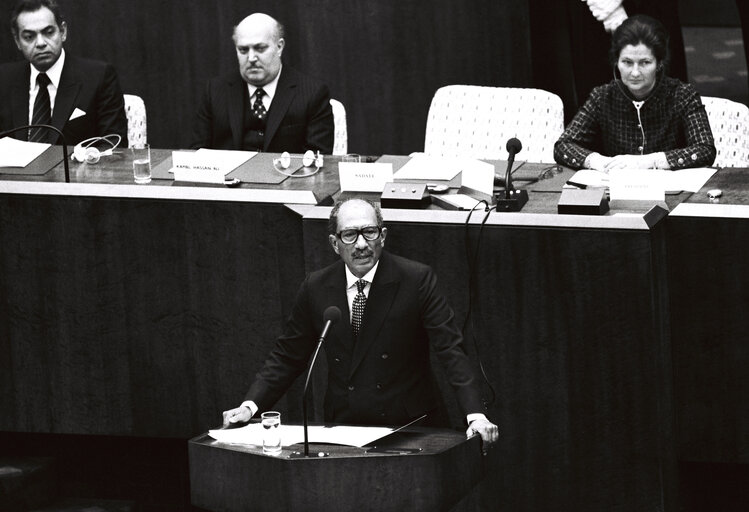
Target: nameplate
{"points": [[364, 177], [636, 184]]}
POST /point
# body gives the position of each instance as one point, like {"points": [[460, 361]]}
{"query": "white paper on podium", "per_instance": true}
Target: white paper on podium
{"points": [[19, 153], [293, 434]]}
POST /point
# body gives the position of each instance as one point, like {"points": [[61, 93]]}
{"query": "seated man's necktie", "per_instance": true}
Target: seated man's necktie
{"points": [[258, 109], [42, 111]]}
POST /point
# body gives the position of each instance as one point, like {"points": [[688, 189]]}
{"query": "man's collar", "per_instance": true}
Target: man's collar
{"points": [[351, 279], [54, 73], [269, 88]]}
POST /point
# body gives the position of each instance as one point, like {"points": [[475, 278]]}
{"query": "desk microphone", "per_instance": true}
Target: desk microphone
{"points": [[513, 148], [331, 315], [46, 127], [513, 200]]}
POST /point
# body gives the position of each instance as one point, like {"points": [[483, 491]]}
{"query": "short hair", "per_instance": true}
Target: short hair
{"points": [[32, 6], [641, 29], [333, 219]]}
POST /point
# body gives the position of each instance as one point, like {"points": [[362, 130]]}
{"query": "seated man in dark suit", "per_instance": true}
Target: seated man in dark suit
{"points": [[80, 97], [379, 368], [266, 106]]}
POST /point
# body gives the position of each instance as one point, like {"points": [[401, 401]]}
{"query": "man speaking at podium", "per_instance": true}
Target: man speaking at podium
{"points": [[265, 106], [80, 97], [378, 354]]}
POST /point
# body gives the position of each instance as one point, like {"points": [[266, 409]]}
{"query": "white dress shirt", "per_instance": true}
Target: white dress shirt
{"points": [[54, 73]]}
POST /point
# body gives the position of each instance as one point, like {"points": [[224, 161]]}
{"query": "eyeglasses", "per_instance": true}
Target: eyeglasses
{"points": [[350, 236], [550, 172]]}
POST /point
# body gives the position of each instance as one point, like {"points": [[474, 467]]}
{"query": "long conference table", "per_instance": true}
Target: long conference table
{"points": [[614, 346]]}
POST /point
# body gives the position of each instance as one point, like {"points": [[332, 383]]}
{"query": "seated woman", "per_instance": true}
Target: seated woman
{"points": [[642, 120]]}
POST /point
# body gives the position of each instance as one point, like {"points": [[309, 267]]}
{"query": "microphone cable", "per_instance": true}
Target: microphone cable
{"points": [[471, 259]]}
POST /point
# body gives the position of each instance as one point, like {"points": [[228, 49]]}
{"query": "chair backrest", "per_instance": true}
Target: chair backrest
{"points": [[135, 110], [729, 122], [340, 140], [475, 121]]}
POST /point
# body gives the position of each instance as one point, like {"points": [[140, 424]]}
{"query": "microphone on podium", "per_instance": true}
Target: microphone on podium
{"points": [[46, 127], [331, 315], [512, 200]]}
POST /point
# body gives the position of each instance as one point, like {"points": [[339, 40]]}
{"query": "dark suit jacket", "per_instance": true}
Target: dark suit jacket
{"points": [[89, 85], [385, 377], [300, 116]]}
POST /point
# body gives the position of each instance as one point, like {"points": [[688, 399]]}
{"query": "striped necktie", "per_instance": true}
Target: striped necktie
{"points": [[357, 310], [42, 111]]}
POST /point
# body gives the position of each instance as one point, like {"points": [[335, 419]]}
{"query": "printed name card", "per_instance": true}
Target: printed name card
{"points": [[207, 165], [637, 184], [364, 177]]}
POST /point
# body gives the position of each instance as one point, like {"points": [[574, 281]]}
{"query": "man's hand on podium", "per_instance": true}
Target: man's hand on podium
{"points": [[241, 414], [488, 431]]}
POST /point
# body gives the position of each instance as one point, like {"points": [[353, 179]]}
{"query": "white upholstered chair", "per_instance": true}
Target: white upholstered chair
{"points": [[340, 140], [476, 121], [729, 122], [135, 110]]}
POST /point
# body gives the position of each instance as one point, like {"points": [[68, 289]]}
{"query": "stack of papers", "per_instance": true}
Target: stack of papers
{"points": [[294, 434]]}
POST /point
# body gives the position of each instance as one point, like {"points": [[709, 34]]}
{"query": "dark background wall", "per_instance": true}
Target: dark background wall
{"points": [[383, 59]]}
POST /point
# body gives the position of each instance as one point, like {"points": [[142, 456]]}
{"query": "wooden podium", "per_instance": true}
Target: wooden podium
{"points": [[413, 469]]}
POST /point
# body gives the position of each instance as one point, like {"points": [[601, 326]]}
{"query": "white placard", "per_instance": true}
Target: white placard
{"points": [[199, 175], [478, 175], [364, 177], [210, 159], [637, 184]]}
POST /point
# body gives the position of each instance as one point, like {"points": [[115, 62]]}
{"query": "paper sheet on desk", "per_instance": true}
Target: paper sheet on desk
{"points": [[424, 167], [293, 434], [690, 180], [19, 153]]}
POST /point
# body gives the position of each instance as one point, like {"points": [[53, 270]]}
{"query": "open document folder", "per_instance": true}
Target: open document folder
{"points": [[252, 433]]}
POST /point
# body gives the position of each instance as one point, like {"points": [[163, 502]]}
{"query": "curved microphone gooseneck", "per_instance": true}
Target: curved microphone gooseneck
{"points": [[47, 127]]}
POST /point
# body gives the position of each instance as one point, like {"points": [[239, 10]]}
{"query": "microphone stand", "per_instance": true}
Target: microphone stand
{"points": [[304, 394], [47, 127], [513, 200]]}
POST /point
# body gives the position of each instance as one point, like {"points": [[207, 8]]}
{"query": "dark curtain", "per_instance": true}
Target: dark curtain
{"points": [[384, 59], [569, 47]]}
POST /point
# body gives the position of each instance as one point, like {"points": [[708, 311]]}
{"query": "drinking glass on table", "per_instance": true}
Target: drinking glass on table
{"points": [[141, 163], [271, 421]]}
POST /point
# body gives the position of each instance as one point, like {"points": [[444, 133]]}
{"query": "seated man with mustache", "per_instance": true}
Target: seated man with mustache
{"points": [[80, 97]]}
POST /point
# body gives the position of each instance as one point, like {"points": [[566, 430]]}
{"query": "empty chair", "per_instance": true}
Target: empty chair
{"points": [[340, 139], [135, 110], [475, 121], [729, 122]]}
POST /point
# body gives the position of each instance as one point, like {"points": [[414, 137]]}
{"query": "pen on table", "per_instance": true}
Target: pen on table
{"points": [[577, 185]]}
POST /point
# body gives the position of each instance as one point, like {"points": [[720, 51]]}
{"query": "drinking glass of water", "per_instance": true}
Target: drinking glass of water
{"points": [[271, 432], [141, 163]]}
